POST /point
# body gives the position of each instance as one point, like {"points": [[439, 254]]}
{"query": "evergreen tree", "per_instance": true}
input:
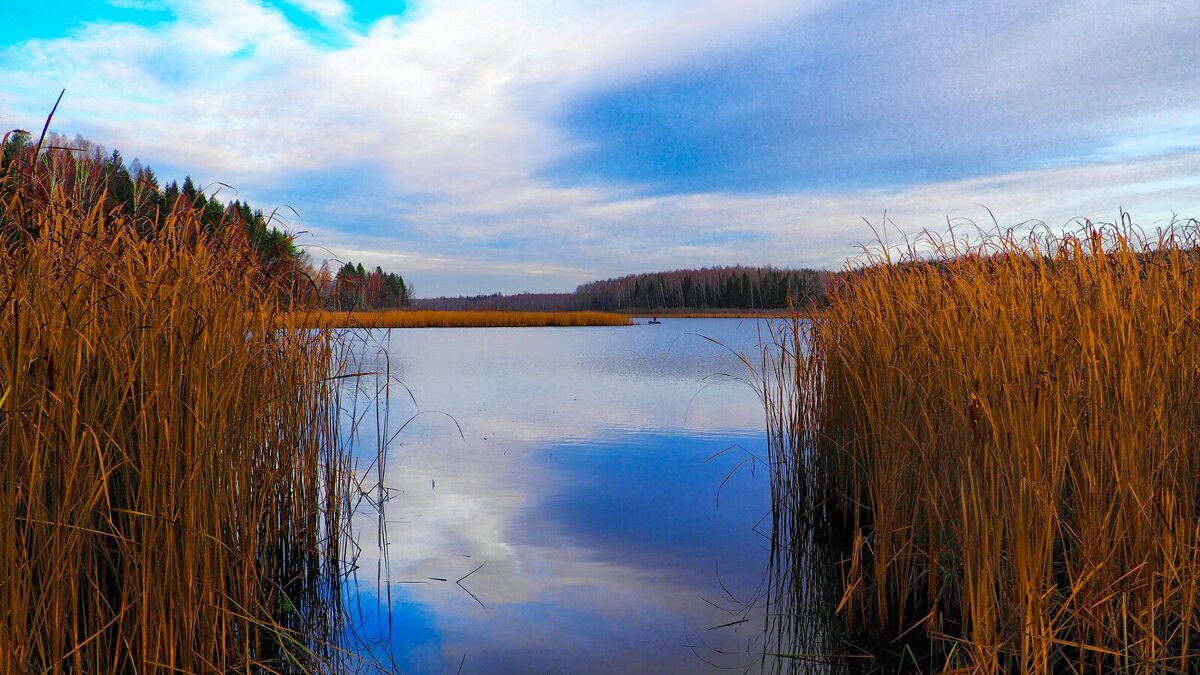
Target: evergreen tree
{"points": [[171, 194], [189, 190]]}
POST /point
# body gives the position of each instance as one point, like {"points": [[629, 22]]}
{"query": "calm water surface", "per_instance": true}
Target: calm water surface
{"points": [[569, 475]]}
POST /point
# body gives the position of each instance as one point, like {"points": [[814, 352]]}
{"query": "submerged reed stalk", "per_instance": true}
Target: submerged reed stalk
{"points": [[802, 634], [169, 466], [1011, 431]]}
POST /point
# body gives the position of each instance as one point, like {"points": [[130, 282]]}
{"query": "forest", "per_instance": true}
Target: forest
{"points": [[519, 302], [736, 287], [355, 287]]}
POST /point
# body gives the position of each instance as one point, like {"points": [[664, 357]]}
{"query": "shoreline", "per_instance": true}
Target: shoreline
{"points": [[424, 318], [781, 313]]}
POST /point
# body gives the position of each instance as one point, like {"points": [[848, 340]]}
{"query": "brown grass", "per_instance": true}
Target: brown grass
{"points": [[169, 483], [454, 319], [1011, 430]]}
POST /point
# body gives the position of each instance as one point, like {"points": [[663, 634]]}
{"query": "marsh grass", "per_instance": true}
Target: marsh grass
{"points": [[1009, 431], [170, 475], [454, 319]]}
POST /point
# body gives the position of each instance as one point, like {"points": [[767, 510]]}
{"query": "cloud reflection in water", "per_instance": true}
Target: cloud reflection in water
{"points": [[581, 486]]}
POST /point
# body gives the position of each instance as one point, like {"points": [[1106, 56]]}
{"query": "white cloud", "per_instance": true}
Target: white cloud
{"points": [[454, 101], [330, 11], [434, 132]]}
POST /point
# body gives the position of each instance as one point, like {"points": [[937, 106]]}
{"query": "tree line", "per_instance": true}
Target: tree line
{"points": [[737, 287], [355, 287], [520, 302]]}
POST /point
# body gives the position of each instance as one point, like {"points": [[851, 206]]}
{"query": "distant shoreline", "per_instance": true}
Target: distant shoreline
{"points": [[711, 313], [425, 318], [475, 318], [509, 318]]}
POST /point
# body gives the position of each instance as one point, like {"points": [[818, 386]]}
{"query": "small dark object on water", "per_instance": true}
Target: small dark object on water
{"points": [[654, 320]]}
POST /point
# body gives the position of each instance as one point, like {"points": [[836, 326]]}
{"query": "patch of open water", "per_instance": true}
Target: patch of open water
{"points": [[566, 500]]}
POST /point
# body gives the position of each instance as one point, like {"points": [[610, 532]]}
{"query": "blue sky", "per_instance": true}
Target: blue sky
{"points": [[506, 146]]}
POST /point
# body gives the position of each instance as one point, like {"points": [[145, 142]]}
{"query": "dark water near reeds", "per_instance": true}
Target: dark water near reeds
{"points": [[574, 480]]}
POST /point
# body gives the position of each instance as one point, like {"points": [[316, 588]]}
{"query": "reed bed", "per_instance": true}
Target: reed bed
{"points": [[1009, 432], [454, 319], [170, 475]]}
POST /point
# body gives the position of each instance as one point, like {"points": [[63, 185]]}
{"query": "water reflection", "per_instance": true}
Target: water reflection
{"points": [[577, 514]]}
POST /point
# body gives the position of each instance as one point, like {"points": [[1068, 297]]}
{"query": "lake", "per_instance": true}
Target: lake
{"points": [[563, 499]]}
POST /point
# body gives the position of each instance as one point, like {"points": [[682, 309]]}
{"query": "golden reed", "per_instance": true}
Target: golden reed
{"points": [[1011, 429], [169, 466]]}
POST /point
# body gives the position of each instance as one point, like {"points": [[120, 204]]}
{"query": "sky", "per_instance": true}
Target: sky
{"points": [[501, 146]]}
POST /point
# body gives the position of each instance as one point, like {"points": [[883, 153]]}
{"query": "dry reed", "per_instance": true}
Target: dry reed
{"points": [[455, 319], [1010, 430], [169, 493]]}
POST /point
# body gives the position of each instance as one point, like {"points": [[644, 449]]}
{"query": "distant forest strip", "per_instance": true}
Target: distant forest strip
{"points": [[498, 302], [453, 319], [739, 287]]}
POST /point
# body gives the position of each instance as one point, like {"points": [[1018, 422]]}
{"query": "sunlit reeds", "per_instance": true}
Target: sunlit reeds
{"points": [[1011, 431], [454, 319], [169, 467]]}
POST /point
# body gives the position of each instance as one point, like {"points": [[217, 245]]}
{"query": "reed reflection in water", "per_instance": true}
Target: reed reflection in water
{"points": [[809, 545]]}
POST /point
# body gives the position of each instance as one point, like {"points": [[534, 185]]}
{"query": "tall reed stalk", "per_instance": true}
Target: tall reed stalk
{"points": [[170, 478], [1011, 430]]}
